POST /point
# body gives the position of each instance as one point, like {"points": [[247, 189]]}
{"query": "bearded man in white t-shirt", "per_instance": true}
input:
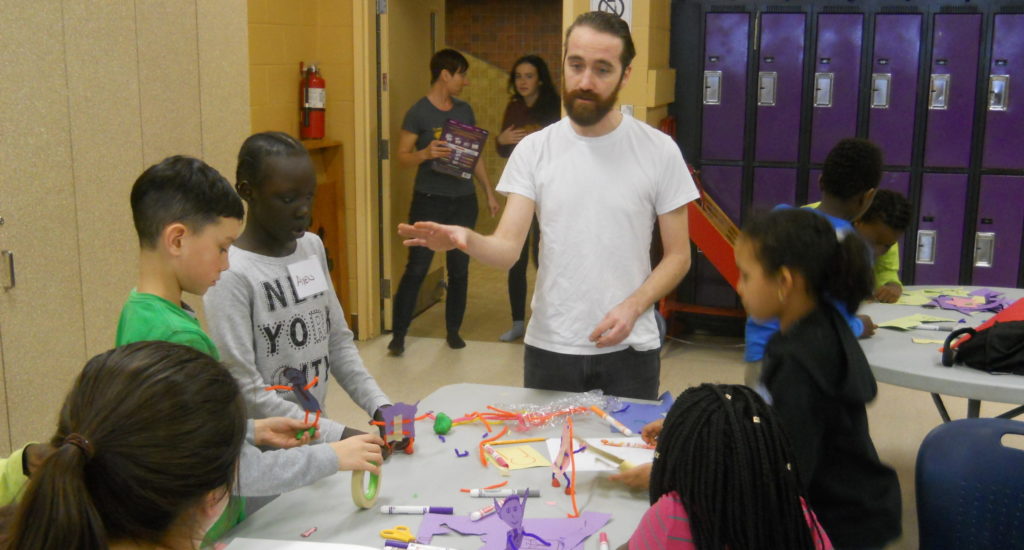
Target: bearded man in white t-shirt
{"points": [[597, 181]]}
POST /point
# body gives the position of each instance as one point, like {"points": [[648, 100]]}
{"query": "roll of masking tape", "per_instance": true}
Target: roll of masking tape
{"points": [[364, 497]]}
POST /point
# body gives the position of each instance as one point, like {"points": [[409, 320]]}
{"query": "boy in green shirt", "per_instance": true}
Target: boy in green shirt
{"points": [[882, 225], [187, 215]]}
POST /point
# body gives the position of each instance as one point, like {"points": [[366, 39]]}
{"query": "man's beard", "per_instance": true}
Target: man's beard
{"points": [[588, 114]]}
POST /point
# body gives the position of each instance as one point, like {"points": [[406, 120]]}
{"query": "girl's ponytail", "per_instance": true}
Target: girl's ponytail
{"points": [[851, 279], [57, 510]]}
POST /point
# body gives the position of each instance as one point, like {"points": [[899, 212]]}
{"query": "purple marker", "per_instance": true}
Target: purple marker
{"points": [[417, 510]]}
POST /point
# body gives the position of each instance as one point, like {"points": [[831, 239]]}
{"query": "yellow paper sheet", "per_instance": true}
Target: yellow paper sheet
{"points": [[522, 456], [958, 291], [913, 298], [927, 341], [911, 321]]}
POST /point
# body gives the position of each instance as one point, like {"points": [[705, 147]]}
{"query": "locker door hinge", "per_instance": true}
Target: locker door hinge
{"points": [[385, 288], [382, 149], [382, 7]]}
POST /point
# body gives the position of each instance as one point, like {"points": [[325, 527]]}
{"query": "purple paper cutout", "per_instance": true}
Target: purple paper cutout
{"points": [[994, 302], [639, 415], [562, 533], [406, 414], [511, 511]]}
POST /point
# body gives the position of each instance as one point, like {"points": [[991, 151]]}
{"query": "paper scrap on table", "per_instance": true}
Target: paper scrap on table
{"points": [[927, 341], [592, 462], [637, 415], [911, 321], [913, 298], [958, 291], [264, 544], [561, 533], [522, 456]]}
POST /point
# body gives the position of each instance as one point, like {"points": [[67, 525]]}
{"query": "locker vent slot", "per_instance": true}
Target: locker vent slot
{"points": [[899, 9], [958, 9], [783, 9], [840, 9], [727, 9], [1018, 8]]}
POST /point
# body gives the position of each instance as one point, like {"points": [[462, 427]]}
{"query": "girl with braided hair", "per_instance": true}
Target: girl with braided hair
{"points": [[724, 477], [147, 448]]}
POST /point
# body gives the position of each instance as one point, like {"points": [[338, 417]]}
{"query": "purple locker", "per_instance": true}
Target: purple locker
{"points": [[725, 85], [900, 183], [1004, 140], [836, 81], [780, 83], [724, 185], [951, 89], [894, 69], [773, 186], [940, 229], [998, 231]]}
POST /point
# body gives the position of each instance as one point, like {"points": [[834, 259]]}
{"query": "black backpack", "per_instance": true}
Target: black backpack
{"points": [[996, 349]]}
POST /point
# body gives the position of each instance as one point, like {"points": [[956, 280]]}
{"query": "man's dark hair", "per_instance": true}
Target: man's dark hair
{"points": [[181, 189], [890, 208], [257, 148], [447, 60], [608, 23], [852, 167]]}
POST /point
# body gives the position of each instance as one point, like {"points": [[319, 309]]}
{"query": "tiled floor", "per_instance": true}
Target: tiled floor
{"points": [[900, 418]]}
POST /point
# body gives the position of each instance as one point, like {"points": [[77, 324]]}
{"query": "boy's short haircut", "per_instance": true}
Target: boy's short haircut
{"points": [[447, 60], [259, 147], [608, 23], [852, 167], [890, 208], [181, 189]]}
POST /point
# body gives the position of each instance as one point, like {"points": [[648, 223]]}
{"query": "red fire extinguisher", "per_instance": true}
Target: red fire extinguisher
{"points": [[313, 102]]}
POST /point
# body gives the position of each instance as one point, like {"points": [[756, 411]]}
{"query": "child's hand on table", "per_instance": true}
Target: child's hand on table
{"points": [[650, 432], [888, 293]]}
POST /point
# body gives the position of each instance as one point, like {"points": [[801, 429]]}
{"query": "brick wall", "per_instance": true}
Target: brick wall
{"points": [[500, 31]]}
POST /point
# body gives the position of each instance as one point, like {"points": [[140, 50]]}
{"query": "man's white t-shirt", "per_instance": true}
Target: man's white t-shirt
{"points": [[597, 200]]}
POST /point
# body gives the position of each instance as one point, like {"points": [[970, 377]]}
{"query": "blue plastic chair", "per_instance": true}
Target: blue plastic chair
{"points": [[970, 487]]}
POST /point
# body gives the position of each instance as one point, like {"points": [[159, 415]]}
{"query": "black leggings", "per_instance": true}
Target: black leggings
{"points": [[460, 210]]}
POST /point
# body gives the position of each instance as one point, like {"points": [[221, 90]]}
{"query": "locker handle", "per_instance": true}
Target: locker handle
{"points": [[938, 95], [712, 87], [984, 249], [986, 221], [999, 92], [8, 256], [926, 246], [880, 90], [823, 89], [767, 82]]}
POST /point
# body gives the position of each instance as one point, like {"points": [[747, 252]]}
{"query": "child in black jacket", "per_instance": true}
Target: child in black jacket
{"points": [[792, 263]]}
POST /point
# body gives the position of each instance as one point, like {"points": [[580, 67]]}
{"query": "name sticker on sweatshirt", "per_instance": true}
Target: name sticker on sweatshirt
{"points": [[307, 277]]}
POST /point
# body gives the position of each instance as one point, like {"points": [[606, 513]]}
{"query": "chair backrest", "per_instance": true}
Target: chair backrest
{"points": [[970, 487]]}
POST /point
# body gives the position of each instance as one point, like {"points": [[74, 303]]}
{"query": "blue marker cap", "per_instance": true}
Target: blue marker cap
{"points": [[396, 543], [442, 510]]}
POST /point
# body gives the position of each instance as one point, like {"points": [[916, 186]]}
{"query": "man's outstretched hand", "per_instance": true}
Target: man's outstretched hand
{"points": [[435, 236]]}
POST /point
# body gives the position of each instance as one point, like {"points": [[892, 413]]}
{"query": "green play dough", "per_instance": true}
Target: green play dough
{"points": [[442, 424]]}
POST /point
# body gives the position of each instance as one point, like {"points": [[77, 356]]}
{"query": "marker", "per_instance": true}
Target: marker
{"points": [[614, 423], [485, 511], [604, 541], [937, 328], [309, 532], [488, 493], [416, 510], [496, 456], [412, 545]]}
